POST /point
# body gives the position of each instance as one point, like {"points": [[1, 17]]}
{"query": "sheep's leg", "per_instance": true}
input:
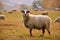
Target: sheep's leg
{"points": [[48, 31], [43, 30], [48, 28], [30, 32]]}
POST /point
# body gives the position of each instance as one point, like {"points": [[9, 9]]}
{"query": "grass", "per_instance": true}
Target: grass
{"points": [[12, 28]]}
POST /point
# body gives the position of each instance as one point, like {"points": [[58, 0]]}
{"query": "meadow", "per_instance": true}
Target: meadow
{"points": [[12, 28]]}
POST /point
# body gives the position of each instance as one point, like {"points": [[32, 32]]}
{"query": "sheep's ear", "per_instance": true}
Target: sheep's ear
{"points": [[28, 11], [22, 11]]}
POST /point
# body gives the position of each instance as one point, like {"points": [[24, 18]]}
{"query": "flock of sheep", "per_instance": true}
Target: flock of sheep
{"points": [[2, 17], [40, 22]]}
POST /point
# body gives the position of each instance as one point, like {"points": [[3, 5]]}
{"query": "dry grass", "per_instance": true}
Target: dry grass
{"points": [[12, 28]]}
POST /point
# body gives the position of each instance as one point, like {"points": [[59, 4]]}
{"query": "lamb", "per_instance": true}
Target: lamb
{"points": [[36, 21], [2, 17], [57, 19]]}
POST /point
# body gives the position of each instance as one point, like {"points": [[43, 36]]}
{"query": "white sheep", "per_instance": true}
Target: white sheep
{"points": [[57, 19], [36, 21], [14, 10], [44, 13], [2, 17], [10, 12]]}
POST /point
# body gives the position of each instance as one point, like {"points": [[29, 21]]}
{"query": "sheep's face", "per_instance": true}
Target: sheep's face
{"points": [[25, 12]]}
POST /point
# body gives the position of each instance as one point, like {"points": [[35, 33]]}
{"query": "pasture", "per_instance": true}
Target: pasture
{"points": [[12, 28]]}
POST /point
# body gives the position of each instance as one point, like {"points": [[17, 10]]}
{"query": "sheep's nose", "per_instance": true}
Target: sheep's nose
{"points": [[24, 15]]}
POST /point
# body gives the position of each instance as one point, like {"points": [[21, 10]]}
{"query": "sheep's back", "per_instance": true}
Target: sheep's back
{"points": [[39, 20]]}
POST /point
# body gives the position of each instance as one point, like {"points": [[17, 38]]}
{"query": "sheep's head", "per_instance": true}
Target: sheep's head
{"points": [[25, 12], [25, 15]]}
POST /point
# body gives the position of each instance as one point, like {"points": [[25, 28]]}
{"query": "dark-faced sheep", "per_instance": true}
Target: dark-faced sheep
{"points": [[57, 19], [36, 21]]}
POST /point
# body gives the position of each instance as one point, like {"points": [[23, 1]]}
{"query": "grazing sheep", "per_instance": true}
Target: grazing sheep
{"points": [[14, 10], [2, 17], [10, 12], [57, 9], [44, 13], [57, 19], [35, 9], [36, 21]]}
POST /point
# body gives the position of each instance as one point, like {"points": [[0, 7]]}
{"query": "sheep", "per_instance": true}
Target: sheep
{"points": [[4, 10], [2, 17], [57, 9], [57, 19], [14, 10], [36, 21], [44, 13], [10, 12]]}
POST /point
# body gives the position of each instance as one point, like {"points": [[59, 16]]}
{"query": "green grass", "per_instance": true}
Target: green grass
{"points": [[12, 28]]}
